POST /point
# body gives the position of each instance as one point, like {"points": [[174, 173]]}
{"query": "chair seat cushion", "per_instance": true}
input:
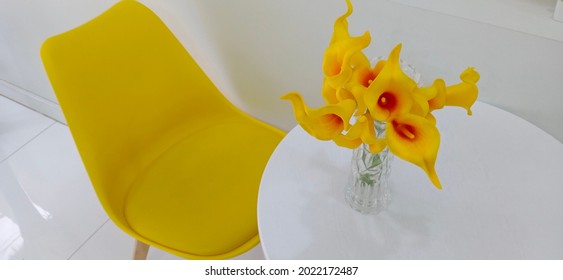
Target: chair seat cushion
{"points": [[199, 197]]}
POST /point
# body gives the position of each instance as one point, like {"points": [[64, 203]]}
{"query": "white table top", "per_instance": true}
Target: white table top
{"points": [[502, 197]]}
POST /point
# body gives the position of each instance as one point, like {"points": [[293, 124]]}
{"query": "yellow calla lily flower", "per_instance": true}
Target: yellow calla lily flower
{"points": [[341, 33], [337, 62], [344, 52], [390, 94], [323, 123], [363, 131], [415, 139], [465, 93]]}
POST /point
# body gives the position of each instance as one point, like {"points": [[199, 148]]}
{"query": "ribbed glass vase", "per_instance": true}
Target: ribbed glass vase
{"points": [[367, 189]]}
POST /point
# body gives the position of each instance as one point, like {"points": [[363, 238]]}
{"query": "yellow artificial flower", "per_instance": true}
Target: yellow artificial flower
{"points": [[465, 93], [344, 52], [415, 139], [390, 94], [363, 131], [341, 33], [323, 123]]}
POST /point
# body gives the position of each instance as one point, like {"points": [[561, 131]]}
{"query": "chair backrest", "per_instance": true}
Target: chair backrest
{"points": [[128, 90]]}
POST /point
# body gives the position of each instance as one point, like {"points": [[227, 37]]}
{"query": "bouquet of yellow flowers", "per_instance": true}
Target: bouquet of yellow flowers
{"points": [[356, 91]]}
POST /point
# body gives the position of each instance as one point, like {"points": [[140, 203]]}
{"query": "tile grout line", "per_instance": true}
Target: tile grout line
{"points": [[88, 239], [29, 141]]}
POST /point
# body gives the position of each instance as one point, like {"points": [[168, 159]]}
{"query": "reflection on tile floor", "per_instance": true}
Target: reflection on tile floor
{"points": [[48, 209]]}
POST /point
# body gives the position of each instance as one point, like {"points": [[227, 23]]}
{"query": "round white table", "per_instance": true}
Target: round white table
{"points": [[502, 197]]}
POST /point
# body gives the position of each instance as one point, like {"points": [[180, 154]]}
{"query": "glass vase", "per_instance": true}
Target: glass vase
{"points": [[367, 189]]}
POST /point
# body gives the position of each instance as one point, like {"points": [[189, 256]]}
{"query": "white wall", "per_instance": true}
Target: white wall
{"points": [[257, 50], [528, 16], [24, 25]]}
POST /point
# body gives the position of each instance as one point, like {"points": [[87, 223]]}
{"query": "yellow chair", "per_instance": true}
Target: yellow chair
{"points": [[173, 162]]}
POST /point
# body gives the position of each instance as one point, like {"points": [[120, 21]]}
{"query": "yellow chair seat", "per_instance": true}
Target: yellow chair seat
{"points": [[199, 210]]}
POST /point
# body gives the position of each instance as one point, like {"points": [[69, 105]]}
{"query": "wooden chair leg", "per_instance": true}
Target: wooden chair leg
{"points": [[141, 250]]}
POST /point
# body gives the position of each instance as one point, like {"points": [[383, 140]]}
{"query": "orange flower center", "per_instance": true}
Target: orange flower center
{"points": [[333, 65], [404, 130], [334, 120], [387, 101], [367, 77]]}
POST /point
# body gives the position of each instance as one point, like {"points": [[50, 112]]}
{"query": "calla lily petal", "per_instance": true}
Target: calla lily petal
{"points": [[431, 118], [465, 93], [362, 131], [334, 96], [369, 135], [427, 99], [358, 92], [439, 99], [359, 59], [323, 123], [343, 94], [390, 94], [347, 142], [420, 105], [329, 93], [362, 77], [340, 32], [415, 139], [378, 145]]}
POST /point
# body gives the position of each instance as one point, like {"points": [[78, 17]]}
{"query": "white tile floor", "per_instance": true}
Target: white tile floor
{"points": [[48, 209]]}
